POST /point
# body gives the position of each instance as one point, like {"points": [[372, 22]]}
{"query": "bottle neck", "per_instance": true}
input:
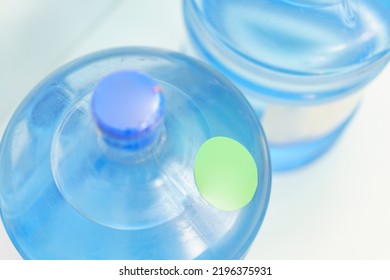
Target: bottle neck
{"points": [[133, 150]]}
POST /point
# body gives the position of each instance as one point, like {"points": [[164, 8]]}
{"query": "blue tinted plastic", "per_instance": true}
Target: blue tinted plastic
{"points": [[300, 63], [71, 187]]}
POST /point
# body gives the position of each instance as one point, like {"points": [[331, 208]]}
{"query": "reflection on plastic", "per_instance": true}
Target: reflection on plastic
{"points": [[67, 193]]}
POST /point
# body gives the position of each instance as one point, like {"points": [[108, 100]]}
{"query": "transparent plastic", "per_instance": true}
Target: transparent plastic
{"points": [[78, 184], [302, 64]]}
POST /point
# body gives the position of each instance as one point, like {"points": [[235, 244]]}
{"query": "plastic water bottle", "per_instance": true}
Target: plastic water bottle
{"points": [[302, 64], [134, 153]]}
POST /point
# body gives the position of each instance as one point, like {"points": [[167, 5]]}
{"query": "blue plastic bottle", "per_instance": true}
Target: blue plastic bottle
{"points": [[300, 63], [89, 171]]}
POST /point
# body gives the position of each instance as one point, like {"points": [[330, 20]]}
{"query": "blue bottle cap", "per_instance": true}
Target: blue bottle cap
{"points": [[127, 105]]}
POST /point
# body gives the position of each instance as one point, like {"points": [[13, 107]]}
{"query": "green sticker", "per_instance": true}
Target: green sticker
{"points": [[225, 173]]}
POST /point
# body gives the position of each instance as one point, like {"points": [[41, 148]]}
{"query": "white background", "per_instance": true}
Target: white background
{"points": [[336, 208]]}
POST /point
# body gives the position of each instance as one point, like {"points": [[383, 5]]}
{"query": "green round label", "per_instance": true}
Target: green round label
{"points": [[225, 173]]}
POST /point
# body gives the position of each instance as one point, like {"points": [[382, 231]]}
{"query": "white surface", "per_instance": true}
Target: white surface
{"points": [[336, 208]]}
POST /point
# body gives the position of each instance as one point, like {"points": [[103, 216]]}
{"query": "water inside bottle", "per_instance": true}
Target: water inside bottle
{"points": [[302, 36]]}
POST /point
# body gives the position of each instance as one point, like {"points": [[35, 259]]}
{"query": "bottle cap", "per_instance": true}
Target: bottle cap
{"points": [[127, 105]]}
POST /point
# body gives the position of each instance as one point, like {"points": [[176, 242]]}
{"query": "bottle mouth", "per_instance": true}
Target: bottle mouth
{"points": [[128, 107]]}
